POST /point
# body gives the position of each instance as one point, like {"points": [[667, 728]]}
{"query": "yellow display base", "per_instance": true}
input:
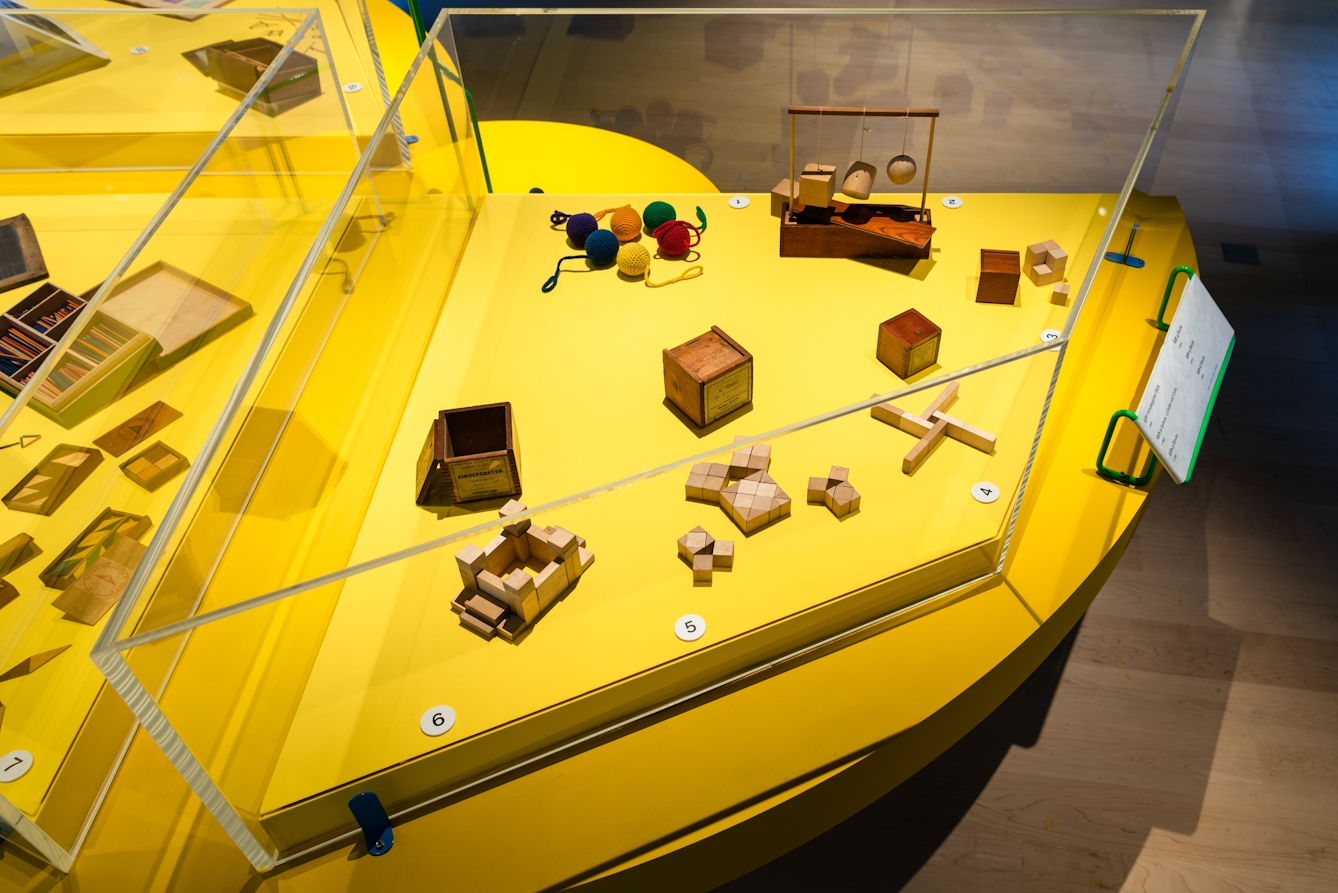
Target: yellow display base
{"points": [[581, 367]]}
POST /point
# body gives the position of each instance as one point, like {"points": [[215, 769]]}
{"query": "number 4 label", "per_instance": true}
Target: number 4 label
{"points": [[437, 721], [985, 492], [15, 764]]}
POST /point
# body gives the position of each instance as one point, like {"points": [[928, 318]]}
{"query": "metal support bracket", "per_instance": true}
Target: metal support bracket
{"points": [[375, 824], [1126, 258]]}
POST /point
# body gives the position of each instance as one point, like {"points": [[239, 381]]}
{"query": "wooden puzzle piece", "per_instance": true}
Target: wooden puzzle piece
{"points": [[834, 491], [137, 429], [31, 664], [704, 553], [754, 502], [933, 427]]}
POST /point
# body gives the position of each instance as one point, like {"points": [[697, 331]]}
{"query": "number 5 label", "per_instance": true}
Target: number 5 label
{"points": [[689, 627], [437, 721], [15, 764]]}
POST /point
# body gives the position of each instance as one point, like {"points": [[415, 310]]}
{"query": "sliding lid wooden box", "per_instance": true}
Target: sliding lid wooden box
{"points": [[708, 377], [470, 454]]}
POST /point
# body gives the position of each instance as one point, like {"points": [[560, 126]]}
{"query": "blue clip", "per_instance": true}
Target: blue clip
{"points": [[1126, 258], [375, 824]]}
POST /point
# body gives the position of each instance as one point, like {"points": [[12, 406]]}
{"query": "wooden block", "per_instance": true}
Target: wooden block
{"points": [[17, 551], [695, 487], [747, 486], [967, 434], [485, 609], [8, 592], [537, 539], [908, 343], [550, 583], [702, 565], [1035, 254], [865, 229], [766, 491], [946, 397], [101, 585], [1041, 274], [712, 487], [817, 491], [137, 429], [708, 377], [758, 462], [562, 542], [900, 419], [723, 554], [521, 594], [43, 490], [1000, 272], [1056, 258], [718, 470], [1060, 295], [584, 558], [499, 554], [510, 627], [154, 466], [512, 507], [477, 626], [470, 454], [470, 560], [696, 541], [31, 664], [923, 447], [817, 185], [491, 584], [780, 197], [838, 473], [458, 603]]}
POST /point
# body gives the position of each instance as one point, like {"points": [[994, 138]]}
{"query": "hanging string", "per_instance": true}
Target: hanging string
{"points": [[819, 139], [862, 130], [551, 282], [905, 130], [702, 217]]}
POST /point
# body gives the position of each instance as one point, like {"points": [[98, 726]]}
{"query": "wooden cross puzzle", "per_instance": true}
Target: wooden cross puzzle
{"points": [[931, 427]]}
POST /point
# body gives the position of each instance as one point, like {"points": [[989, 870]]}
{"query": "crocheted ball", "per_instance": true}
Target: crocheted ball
{"points": [[657, 213], [601, 246], [674, 238], [579, 228], [633, 259], [625, 223]]}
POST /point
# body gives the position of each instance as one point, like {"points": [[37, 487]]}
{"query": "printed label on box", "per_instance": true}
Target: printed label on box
{"points": [[729, 392], [481, 478]]}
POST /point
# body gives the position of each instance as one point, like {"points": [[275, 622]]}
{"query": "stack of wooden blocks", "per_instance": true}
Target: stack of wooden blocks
{"points": [[834, 491], [500, 596], [704, 553], [1045, 262], [754, 499]]}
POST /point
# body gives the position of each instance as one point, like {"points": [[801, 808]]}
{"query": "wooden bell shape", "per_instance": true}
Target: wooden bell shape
{"points": [[859, 180], [901, 169]]}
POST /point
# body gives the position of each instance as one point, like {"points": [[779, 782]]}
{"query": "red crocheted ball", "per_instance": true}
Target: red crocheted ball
{"points": [[674, 238]]}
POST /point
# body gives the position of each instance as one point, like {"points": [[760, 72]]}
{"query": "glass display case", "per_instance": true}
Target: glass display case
{"points": [[160, 179], [473, 514]]}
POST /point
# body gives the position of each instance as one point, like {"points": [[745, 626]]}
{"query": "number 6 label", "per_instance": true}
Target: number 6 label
{"points": [[689, 627], [437, 721], [15, 764]]}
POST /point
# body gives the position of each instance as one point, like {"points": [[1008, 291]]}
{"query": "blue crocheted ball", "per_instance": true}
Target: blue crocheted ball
{"points": [[579, 228], [601, 246]]}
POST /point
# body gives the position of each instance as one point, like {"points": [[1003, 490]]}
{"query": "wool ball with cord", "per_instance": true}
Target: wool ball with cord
{"points": [[601, 246], [633, 259], [657, 213], [579, 226]]}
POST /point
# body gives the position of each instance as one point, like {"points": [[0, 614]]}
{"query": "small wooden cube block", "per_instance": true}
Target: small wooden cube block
{"points": [[817, 491], [470, 560], [1041, 274], [780, 197], [512, 507], [817, 185], [702, 565], [1060, 295], [1056, 258], [1000, 272], [485, 609], [510, 627], [477, 626], [1035, 254], [908, 343], [695, 486], [723, 553], [839, 473], [708, 377], [711, 489], [695, 542]]}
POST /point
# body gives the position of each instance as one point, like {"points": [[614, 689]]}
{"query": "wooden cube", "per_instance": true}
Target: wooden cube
{"points": [[1035, 254], [722, 555], [817, 185], [1055, 257], [470, 454], [1000, 272], [1060, 295], [908, 343], [708, 377], [702, 565], [817, 491], [1041, 274], [780, 197]]}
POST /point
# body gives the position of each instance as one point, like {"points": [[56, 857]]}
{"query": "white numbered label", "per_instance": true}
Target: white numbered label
{"points": [[951, 201], [985, 492], [138, 51], [689, 627], [437, 721], [352, 88], [739, 201], [15, 764], [1048, 335]]}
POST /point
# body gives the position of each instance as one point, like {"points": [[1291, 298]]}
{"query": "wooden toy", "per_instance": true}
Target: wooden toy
{"points": [[707, 480], [155, 466], [1000, 272], [21, 260], [1045, 262], [749, 460], [510, 583], [134, 431], [101, 585], [708, 377], [31, 664], [834, 491], [470, 454], [1060, 295], [91, 544], [932, 426], [17, 551], [236, 66], [754, 502], [781, 197], [46, 487], [817, 184], [908, 343], [704, 553]]}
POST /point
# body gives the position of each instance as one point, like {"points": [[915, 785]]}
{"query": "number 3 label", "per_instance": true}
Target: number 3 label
{"points": [[15, 764], [437, 721], [689, 627]]}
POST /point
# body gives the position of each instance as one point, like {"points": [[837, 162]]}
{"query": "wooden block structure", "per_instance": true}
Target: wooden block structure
{"points": [[908, 343], [707, 480], [1045, 262], [1000, 272], [834, 491], [743, 489], [780, 197], [704, 553], [1060, 295], [708, 377], [817, 185], [931, 427], [511, 582], [470, 454]]}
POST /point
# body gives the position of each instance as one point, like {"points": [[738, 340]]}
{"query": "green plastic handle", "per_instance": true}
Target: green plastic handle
{"points": [[1166, 298], [1105, 445]]}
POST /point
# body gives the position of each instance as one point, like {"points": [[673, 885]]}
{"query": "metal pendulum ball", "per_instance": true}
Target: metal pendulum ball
{"points": [[859, 178], [901, 169]]}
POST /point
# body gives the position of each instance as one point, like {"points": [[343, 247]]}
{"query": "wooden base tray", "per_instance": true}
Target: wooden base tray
{"points": [[856, 230]]}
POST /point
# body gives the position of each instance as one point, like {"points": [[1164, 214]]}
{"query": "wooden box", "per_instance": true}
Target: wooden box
{"points": [[42, 490], [91, 544], [236, 65], [1000, 272], [154, 466], [866, 229], [708, 377], [908, 343], [21, 259], [138, 428], [470, 454]]}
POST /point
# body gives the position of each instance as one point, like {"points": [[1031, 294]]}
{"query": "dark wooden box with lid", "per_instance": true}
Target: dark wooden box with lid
{"points": [[21, 259], [908, 343], [999, 275], [470, 454], [237, 64], [708, 377]]}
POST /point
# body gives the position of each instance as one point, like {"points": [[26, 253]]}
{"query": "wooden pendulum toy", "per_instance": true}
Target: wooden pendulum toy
{"points": [[704, 553], [834, 491], [901, 169], [932, 426], [859, 178]]}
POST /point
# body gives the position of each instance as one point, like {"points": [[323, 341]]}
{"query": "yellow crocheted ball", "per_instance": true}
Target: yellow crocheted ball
{"points": [[633, 258], [625, 223]]}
